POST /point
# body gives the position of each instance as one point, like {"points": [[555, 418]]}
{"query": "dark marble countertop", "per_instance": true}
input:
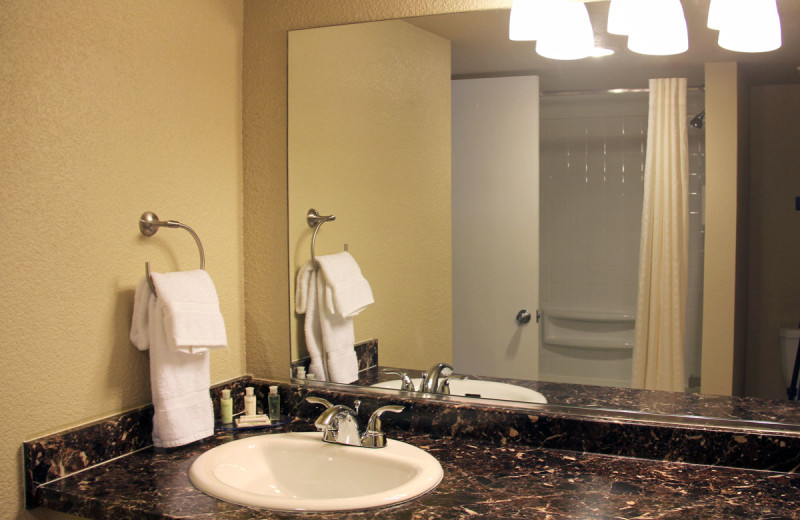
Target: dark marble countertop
{"points": [[717, 407], [481, 480]]}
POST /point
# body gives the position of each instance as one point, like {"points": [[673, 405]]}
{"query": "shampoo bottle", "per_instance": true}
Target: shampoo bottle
{"points": [[249, 401], [274, 403], [226, 407]]}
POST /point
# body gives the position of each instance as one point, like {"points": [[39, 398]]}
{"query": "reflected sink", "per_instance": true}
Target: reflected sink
{"points": [[479, 388], [300, 472]]}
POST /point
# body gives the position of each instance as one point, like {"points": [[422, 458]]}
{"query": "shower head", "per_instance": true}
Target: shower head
{"points": [[698, 120]]}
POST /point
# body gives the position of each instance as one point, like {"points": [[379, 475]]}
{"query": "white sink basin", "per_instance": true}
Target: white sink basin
{"points": [[479, 388], [300, 472]]}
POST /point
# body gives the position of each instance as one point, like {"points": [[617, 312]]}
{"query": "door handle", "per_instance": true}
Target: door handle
{"points": [[523, 317]]}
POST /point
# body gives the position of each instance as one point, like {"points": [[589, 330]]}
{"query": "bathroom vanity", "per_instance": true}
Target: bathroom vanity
{"points": [[506, 461]]}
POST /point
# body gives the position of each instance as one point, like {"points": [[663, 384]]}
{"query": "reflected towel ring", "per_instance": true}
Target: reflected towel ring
{"points": [[149, 224], [315, 220]]}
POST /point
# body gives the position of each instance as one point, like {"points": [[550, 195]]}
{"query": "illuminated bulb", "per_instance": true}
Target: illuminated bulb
{"points": [[715, 15], [751, 26], [527, 19], [568, 34], [621, 17], [660, 30]]}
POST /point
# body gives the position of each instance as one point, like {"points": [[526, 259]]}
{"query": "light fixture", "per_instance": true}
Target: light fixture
{"points": [[750, 26], [659, 28], [715, 15], [527, 19], [567, 34], [602, 52], [621, 17]]}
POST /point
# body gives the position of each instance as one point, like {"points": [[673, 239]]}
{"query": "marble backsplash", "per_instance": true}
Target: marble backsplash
{"points": [[57, 455]]}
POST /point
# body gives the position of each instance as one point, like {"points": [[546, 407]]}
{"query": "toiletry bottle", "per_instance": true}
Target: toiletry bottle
{"points": [[301, 373], [226, 407], [249, 401], [274, 403]]}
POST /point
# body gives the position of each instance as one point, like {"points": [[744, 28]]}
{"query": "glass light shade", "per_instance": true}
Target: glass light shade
{"points": [[568, 33], [751, 26], [621, 17], [660, 29], [715, 15], [527, 19]]}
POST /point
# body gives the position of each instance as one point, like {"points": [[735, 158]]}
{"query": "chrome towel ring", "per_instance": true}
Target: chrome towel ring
{"points": [[149, 224], [315, 220]]}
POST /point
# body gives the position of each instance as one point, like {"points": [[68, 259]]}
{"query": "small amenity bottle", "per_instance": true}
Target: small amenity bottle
{"points": [[226, 407], [274, 403], [249, 401]]}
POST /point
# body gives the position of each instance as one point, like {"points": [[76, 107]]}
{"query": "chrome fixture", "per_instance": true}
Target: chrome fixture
{"points": [[339, 424], [698, 121], [434, 381], [523, 317], [148, 226], [407, 384], [315, 220], [431, 379]]}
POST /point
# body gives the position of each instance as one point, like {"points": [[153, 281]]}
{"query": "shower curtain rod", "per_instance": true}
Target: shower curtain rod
{"points": [[555, 93]]}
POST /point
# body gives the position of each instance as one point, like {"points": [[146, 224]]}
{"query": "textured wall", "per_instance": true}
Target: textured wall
{"points": [[265, 152], [108, 109], [369, 140]]}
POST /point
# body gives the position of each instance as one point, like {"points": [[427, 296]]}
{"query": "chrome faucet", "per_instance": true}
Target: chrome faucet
{"points": [[431, 382], [339, 424]]}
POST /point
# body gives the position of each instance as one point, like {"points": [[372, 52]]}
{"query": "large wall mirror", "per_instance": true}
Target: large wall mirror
{"points": [[478, 184]]}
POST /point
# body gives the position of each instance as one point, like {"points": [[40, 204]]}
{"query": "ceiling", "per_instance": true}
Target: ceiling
{"points": [[481, 48]]}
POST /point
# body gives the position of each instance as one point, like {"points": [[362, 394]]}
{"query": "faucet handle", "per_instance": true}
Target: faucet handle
{"points": [[374, 424], [444, 385], [406, 384], [374, 437], [319, 400]]}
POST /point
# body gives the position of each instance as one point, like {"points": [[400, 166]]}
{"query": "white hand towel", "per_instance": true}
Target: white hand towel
{"points": [[347, 292], [192, 319], [306, 303], [179, 380], [338, 339]]}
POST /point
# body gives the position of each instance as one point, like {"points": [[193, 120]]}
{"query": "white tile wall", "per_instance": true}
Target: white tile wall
{"points": [[592, 159]]}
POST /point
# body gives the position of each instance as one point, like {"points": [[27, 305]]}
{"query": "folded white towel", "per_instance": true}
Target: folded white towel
{"points": [[347, 291], [192, 319], [338, 340], [179, 380], [306, 303]]}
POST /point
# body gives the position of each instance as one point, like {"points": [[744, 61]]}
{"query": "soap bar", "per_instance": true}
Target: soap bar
{"points": [[258, 418], [250, 421]]}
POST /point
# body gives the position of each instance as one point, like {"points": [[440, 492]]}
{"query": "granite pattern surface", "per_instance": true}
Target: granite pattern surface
{"points": [[636, 400], [539, 426], [366, 353], [485, 425], [480, 481]]}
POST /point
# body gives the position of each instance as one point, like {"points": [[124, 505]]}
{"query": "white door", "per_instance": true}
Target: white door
{"points": [[495, 207]]}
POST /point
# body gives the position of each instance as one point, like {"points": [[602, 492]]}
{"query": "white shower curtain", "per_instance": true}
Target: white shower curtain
{"points": [[658, 356]]}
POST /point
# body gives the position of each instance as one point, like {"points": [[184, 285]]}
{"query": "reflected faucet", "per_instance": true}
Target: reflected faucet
{"points": [[431, 379]]}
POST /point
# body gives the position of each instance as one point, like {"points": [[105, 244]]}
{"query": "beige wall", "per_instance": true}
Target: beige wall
{"points": [[725, 258], [774, 300], [108, 109], [353, 90], [265, 153]]}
